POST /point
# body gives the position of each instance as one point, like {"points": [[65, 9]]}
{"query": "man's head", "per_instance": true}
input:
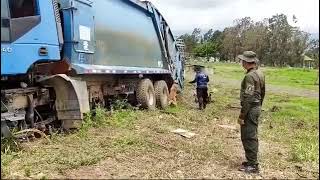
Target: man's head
{"points": [[248, 59], [198, 68]]}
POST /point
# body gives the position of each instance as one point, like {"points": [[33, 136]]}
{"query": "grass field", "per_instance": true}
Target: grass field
{"points": [[293, 121], [139, 144], [286, 77]]}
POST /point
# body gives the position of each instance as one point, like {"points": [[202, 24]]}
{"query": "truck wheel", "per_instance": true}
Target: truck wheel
{"points": [[162, 94], [145, 94]]}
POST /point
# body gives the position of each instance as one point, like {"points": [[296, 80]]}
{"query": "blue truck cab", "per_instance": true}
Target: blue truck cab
{"points": [[29, 34]]}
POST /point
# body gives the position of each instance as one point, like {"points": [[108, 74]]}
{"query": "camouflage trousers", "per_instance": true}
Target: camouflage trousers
{"points": [[249, 135]]}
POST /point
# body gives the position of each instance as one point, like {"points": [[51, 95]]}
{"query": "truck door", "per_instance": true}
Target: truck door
{"points": [[83, 28]]}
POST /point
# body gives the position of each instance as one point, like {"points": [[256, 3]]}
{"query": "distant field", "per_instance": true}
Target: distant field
{"points": [[287, 77]]}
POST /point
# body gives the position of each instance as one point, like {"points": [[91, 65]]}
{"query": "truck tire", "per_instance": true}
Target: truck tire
{"points": [[145, 94], [162, 94]]}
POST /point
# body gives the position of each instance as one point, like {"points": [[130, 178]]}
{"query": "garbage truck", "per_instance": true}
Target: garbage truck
{"points": [[62, 58]]}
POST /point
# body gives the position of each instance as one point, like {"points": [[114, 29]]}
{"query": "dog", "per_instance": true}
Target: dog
{"points": [[174, 90], [196, 97]]}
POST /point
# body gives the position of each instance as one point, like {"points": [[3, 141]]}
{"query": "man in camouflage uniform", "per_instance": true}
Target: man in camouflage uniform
{"points": [[251, 96]]}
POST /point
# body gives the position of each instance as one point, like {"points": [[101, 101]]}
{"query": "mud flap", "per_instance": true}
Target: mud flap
{"points": [[71, 99]]}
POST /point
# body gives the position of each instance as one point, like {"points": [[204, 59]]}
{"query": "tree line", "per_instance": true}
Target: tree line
{"points": [[276, 42]]}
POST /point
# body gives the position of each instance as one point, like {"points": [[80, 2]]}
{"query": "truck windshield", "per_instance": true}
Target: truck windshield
{"points": [[22, 8], [5, 21], [22, 15]]}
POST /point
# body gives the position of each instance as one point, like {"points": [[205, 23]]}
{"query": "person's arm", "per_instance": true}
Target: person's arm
{"points": [[248, 96], [263, 90], [195, 80]]}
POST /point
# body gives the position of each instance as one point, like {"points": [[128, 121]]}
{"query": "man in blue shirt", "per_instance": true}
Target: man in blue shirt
{"points": [[202, 80]]}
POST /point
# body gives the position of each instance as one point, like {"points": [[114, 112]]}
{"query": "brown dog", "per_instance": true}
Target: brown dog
{"points": [[173, 94]]}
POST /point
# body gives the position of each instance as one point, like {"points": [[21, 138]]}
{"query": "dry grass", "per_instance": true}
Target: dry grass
{"points": [[139, 144]]}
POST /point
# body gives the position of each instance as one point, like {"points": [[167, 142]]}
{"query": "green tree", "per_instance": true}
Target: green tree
{"points": [[280, 33], [196, 34], [207, 49], [234, 38], [208, 35], [274, 40], [229, 44], [257, 39], [313, 51], [191, 40]]}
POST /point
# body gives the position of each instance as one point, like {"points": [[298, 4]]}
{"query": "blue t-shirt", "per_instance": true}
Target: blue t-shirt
{"points": [[201, 79]]}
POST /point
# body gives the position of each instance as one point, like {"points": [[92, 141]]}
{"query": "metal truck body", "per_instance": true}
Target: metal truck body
{"points": [[61, 58]]}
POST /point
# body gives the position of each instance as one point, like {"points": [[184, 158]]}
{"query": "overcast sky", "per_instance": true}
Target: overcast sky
{"points": [[184, 15]]}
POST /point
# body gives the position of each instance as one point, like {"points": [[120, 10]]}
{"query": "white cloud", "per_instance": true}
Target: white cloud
{"points": [[184, 15]]}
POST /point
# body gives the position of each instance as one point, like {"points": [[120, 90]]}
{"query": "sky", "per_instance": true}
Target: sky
{"points": [[184, 15]]}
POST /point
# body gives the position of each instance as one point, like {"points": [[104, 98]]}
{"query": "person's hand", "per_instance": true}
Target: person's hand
{"points": [[241, 119], [241, 116]]}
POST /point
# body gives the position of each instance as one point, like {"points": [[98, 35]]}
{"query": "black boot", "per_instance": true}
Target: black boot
{"points": [[249, 168], [252, 168], [243, 166]]}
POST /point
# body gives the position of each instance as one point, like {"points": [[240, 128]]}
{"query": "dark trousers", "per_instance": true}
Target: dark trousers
{"points": [[249, 135], [202, 95]]}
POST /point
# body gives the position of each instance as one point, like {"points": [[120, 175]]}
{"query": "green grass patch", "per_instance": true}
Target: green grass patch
{"points": [[131, 142], [101, 118], [96, 118], [174, 110], [294, 77], [294, 121], [294, 109], [306, 147], [288, 120], [122, 118], [87, 146], [287, 77]]}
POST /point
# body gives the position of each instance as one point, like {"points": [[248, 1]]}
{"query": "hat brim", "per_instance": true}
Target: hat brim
{"points": [[200, 66], [247, 59]]}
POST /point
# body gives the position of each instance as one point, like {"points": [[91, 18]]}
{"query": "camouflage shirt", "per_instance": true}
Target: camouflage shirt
{"points": [[252, 90]]}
